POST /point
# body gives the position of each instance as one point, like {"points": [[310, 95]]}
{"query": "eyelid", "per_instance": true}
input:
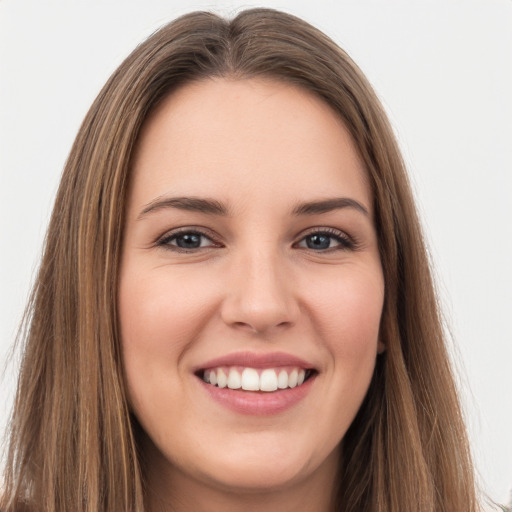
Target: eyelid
{"points": [[346, 242], [162, 240]]}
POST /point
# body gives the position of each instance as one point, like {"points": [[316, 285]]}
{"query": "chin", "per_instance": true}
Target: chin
{"points": [[268, 465], [257, 476]]}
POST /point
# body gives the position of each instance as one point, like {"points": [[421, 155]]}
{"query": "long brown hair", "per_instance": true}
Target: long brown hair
{"points": [[73, 443]]}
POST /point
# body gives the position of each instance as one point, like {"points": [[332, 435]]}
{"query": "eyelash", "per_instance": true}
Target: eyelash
{"points": [[164, 242], [345, 243]]}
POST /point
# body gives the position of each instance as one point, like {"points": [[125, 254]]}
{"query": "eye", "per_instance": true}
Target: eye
{"points": [[186, 241], [325, 240]]}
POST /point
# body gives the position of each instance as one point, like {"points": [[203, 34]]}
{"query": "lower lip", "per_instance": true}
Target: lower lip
{"points": [[259, 403]]}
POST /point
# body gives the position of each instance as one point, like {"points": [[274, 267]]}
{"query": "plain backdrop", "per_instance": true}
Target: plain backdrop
{"points": [[443, 70]]}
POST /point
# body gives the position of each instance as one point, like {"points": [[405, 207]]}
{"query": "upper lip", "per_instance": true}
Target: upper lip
{"points": [[254, 360]]}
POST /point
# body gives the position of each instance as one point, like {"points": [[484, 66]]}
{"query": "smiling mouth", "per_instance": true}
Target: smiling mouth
{"points": [[265, 380]]}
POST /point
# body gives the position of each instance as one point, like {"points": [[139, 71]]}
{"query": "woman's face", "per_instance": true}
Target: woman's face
{"points": [[250, 259]]}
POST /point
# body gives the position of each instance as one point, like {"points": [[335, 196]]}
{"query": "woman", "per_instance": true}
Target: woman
{"points": [[235, 308]]}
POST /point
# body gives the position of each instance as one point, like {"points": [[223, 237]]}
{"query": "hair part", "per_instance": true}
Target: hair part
{"points": [[74, 445]]}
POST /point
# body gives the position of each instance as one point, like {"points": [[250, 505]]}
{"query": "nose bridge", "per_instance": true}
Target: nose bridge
{"points": [[259, 295]]}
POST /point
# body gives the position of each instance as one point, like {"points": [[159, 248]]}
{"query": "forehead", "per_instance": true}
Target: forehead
{"points": [[246, 138]]}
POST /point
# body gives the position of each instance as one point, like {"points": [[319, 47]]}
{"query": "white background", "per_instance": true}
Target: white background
{"points": [[443, 69]]}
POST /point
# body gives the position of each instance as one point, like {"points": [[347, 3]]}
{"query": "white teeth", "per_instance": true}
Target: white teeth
{"points": [[234, 379], [222, 380], [268, 380], [282, 380], [250, 379], [292, 378]]}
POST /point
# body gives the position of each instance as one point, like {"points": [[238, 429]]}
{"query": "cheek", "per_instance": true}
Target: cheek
{"points": [[158, 312], [160, 318], [348, 311], [346, 314]]}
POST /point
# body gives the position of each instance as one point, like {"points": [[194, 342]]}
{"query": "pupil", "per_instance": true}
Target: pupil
{"points": [[190, 241], [318, 242]]}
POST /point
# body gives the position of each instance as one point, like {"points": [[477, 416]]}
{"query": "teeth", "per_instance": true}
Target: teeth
{"points": [[234, 379], [282, 380], [250, 379], [222, 380], [268, 380], [292, 378]]}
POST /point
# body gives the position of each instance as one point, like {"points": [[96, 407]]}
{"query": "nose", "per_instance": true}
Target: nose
{"points": [[259, 295]]}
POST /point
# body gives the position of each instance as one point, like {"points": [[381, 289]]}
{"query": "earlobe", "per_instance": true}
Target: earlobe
{"points": [[381, 347]]}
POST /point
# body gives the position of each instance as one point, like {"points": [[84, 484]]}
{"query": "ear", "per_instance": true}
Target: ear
{"points": [[380, 347]]}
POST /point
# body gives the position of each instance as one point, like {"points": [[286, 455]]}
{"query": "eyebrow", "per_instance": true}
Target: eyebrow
{"points": [[191, 204], [328, 205], [214, 207]]}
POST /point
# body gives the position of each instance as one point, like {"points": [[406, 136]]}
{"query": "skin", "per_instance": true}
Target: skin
{"points": [[260, 148]]}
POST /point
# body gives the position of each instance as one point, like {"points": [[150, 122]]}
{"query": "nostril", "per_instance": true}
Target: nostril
{"points": [[260, 327], [255, 305]]}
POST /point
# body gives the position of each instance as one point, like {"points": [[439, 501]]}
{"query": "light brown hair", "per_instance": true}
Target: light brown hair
{"points": [[73, 442]]}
